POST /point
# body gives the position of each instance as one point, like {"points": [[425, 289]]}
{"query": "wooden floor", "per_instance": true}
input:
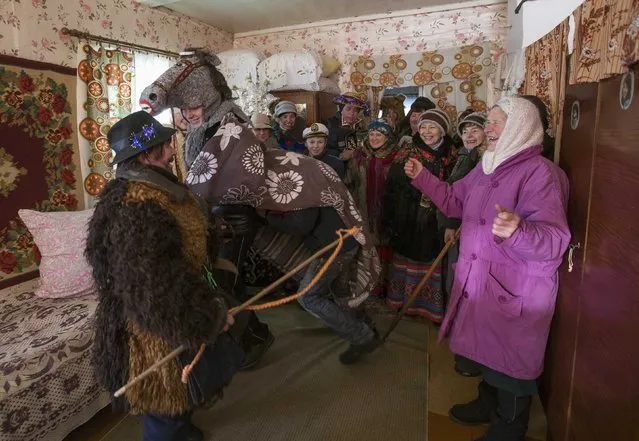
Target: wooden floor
{"points": [[445, 389]]}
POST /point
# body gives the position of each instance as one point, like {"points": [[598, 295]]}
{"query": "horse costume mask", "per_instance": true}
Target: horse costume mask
{"points": [[235, 168]]}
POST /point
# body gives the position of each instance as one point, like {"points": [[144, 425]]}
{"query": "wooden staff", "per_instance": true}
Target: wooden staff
{"points": [[240, 308], [421, 284]]}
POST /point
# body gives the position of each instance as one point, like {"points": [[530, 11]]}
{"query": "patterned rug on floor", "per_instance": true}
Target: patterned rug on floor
{"points": [[300, 391]]}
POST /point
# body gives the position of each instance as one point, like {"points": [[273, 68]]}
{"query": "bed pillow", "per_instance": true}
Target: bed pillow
{"points": [[61, 238]]}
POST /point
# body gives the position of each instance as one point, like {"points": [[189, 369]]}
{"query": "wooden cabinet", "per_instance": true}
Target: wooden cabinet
{"points": [[318, 105], [590, 387]]}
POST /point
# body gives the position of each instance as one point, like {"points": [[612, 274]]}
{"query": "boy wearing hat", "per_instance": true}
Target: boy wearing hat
{"points": [[287, 129], [147, 247], [315, 140]]}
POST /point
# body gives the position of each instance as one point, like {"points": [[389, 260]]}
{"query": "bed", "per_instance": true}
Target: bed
{"points": [[47, 383]]}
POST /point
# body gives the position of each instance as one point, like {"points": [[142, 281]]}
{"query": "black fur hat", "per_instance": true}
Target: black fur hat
{"points": [[136, 133]]}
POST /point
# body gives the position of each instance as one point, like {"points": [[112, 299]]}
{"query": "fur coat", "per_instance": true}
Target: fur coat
{"points": [[147, 246]]}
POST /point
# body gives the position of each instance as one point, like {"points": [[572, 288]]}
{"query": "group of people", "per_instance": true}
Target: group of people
{"points": [[159, 247]]}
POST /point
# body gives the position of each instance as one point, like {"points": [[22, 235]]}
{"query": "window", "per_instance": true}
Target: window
{"points": [[147, 68]]}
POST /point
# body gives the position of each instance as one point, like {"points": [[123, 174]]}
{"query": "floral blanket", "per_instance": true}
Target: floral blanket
{"points": [[47, 383], [235, 168]]}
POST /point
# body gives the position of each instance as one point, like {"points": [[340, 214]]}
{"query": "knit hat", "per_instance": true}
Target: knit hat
{"points": [[477, 118], [315, 130], [261, 121], [284, 107], [381, 127], [136, 133], [437, 117]]}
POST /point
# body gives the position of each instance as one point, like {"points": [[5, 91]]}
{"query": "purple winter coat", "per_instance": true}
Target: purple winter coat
{"points": [[504, 292]]}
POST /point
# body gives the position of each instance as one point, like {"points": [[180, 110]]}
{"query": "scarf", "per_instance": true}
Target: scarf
{"points": [[523, 130]]}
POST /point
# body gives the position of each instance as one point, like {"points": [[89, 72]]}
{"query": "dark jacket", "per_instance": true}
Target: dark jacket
{"points": [[339, 137], [410, 217], [317, 225], [466, 161], [334, 162], [147, 246]]}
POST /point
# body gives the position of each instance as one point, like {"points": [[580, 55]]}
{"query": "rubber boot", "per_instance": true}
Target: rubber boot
{"points": [[510, 421], [478, 411]]}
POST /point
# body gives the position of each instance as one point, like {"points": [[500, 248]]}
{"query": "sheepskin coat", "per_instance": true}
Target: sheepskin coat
{"points": [[147, 245]]}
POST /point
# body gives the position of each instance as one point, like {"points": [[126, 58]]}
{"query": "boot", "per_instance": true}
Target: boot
{"points": [[510, 421], [479, 410], [355, 352]]}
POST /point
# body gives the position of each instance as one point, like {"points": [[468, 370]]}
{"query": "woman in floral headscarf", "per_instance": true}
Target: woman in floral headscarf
{"points": [[368, 170], [411, 219]]}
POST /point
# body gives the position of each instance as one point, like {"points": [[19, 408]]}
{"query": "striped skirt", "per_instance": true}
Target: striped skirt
{"points": [[405, 276]]}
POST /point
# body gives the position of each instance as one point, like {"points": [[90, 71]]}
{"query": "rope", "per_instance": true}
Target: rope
{"points": [[342, 234]]}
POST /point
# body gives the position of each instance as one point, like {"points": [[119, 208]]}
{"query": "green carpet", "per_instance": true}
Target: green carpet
{"points": [[300, 391]]}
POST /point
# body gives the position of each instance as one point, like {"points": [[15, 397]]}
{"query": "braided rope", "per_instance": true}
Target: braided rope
{"points": [[342, 234]]}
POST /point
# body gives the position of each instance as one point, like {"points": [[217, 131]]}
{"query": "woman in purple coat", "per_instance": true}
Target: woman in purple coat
{"points": [[513, 236]]}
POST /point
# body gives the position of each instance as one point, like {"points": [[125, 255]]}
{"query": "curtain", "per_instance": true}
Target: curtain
{"points": [[546, 75], [104, 97], [454, 79], [606, 39]]}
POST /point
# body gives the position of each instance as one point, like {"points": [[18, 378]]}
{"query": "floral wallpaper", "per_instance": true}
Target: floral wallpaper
{"points": [[389, 36], [31, 28]]}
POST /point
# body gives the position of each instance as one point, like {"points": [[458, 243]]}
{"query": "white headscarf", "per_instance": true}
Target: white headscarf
{"points": [[523, 130]]}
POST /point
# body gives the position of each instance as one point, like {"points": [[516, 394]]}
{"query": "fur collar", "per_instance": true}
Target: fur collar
{"points": [[157, 177]]}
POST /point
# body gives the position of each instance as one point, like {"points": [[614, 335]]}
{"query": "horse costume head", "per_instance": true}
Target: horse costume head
{"points": [[192, 82]]}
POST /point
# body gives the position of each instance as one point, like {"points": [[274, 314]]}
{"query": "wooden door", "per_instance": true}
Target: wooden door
{"points": [[576, 159], [605, 403]]}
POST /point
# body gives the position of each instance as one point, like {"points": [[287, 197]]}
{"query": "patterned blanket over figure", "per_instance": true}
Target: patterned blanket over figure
{"points": [[235, 168]]}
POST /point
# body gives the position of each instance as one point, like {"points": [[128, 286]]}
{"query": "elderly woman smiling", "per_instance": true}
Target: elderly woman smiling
{"points": [[513, 236]]}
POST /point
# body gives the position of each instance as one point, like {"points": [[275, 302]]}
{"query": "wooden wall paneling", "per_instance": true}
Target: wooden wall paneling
{"points": [[605, 402], [576, 159]]}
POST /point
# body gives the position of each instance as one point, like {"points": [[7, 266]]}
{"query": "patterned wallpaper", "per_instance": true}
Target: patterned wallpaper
{"points": [[397, 35], [31, 28]]}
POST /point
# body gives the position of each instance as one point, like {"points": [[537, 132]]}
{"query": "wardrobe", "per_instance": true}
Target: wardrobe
{"points": [[590, 387], [319, 105]]}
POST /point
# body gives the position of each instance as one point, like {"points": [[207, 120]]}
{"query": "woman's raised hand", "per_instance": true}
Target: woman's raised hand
{"points": [[413, 168]]}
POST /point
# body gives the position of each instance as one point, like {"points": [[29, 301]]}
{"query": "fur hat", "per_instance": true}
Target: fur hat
{"points": [[261, 121], [395, 103], [315, 130], [284, 107], [136, 133], [422, 103], [437, 117], [477, 118]]}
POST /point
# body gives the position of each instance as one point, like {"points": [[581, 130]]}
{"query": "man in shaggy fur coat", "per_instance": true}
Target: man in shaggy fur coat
{"points": [[147, 245]]}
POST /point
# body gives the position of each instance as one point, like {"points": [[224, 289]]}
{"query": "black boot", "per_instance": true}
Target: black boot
{"points": [[355, 352], [479, 410], [510, 422]]}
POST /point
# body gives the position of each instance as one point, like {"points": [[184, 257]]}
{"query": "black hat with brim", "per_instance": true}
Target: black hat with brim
{"points": [[136, 133]]}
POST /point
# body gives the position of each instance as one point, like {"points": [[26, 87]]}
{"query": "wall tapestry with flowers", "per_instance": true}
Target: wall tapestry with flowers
{"points": [[106, 77], [455, 79], [39, 156]]}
